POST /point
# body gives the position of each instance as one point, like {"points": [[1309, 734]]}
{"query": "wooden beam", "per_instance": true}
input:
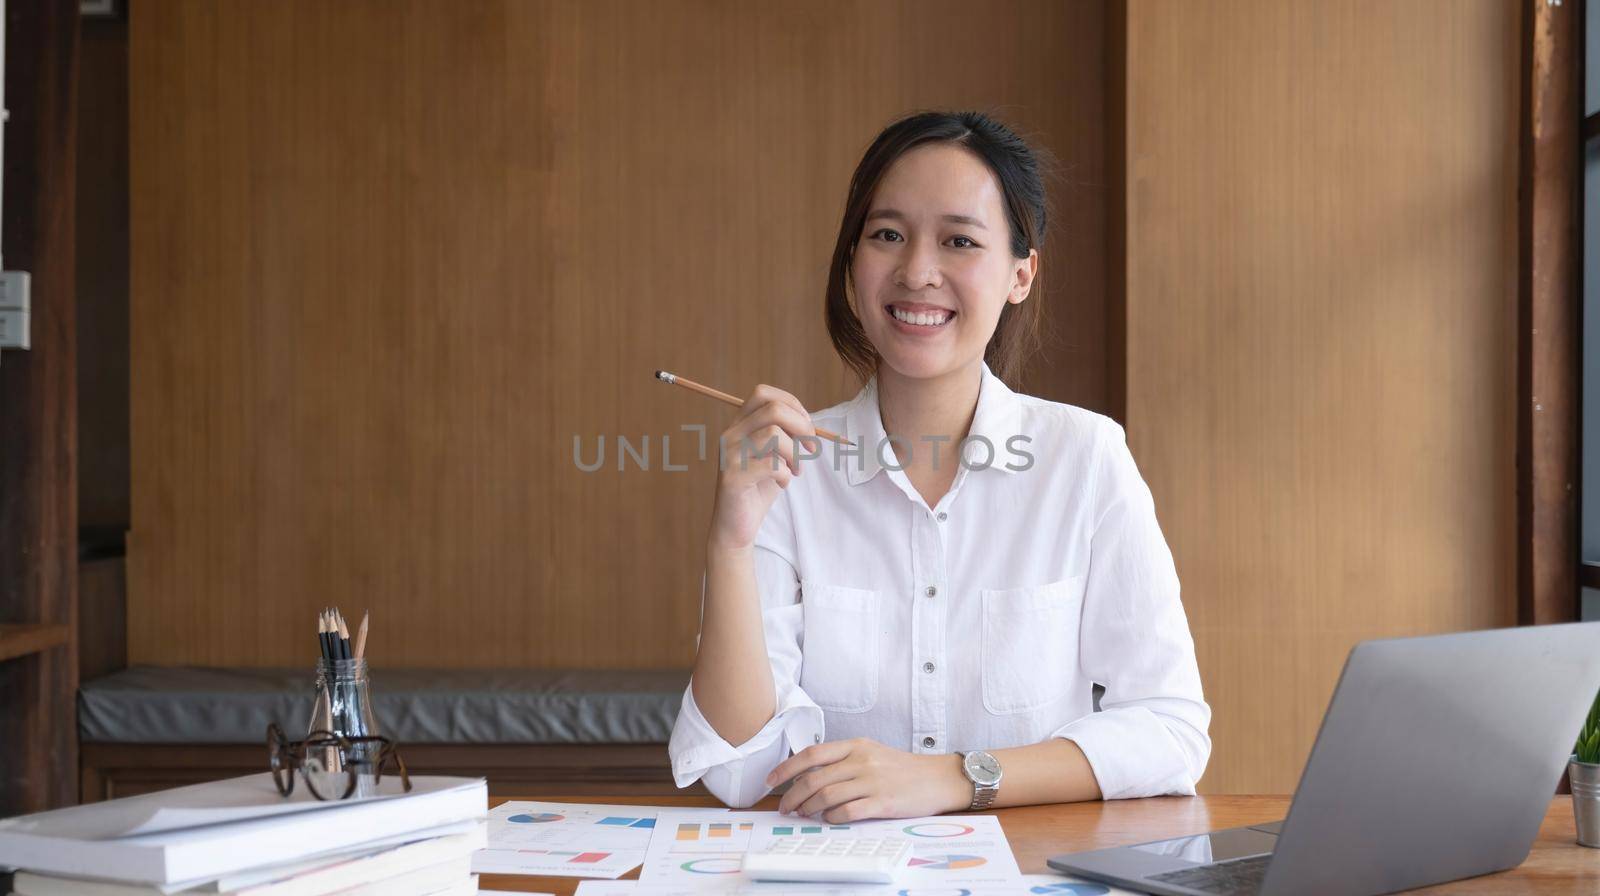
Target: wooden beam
{"points": [[119, 770], [38, 409], [26, 640], [1547, 314]]}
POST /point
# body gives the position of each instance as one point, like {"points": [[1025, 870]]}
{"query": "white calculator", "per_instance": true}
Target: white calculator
{"points": [[867, 860]]}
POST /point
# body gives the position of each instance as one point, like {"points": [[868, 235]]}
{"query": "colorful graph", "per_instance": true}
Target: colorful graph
{"points": [[541, 818], [714, 831], [581, 858], [721, 865], [947, 863], [621, 822], [791, 830], [924, 891], [1066, 889], [938, 829]]}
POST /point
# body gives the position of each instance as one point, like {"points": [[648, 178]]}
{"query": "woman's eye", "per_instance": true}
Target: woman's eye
{"points": [[893, 236]]}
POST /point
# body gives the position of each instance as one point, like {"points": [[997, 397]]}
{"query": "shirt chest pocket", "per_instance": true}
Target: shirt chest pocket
{"points": [[1030, 644], [839, 650]]}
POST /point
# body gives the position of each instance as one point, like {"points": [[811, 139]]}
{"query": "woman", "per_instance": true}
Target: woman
{"points": [[918, 626]]}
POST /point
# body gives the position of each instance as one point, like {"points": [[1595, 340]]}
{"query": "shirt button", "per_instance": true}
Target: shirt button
{"points": [[943, 516], [816, 738], [927, 667], [931, 591], [928, 742]]}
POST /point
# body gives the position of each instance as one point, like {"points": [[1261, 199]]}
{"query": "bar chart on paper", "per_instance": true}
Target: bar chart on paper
{"points": [[692, 852], [714, 836], [565, 840]]}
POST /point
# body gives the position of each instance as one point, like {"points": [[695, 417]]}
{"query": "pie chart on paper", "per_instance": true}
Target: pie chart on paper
{"points": [[715, 865], [938, 829], [541, 818], [946, 863]]}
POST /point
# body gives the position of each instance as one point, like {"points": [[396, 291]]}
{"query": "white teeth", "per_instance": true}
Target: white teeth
{"points": [[921, 318]]}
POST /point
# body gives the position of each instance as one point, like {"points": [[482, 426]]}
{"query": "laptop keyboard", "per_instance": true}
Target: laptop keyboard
{"points": [[1239, 877]]}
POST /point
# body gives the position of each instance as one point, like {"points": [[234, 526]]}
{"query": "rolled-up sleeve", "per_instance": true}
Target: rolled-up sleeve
{"points": [[737, 774], [1150, 737]]}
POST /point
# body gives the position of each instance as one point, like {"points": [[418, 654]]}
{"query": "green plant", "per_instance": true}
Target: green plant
{"points": [[1588, 748]]}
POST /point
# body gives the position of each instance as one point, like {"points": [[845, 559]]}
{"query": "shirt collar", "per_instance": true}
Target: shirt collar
{"points": [[997, 418]]}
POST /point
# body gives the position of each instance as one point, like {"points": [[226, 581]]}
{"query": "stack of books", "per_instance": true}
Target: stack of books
{"points": [[241, 837]]}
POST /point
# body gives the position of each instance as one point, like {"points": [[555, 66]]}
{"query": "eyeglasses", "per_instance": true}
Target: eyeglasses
{"points": [[324, 757]]}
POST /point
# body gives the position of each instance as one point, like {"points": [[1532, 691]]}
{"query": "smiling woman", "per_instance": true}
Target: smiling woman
{"points": [[871, 632], [991, 178]]}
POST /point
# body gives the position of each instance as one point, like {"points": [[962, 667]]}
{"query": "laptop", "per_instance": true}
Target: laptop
{"points": [[1436, 760]]}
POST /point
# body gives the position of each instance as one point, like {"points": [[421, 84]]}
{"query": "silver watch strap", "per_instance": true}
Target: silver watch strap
{"points": [[982, 797]]}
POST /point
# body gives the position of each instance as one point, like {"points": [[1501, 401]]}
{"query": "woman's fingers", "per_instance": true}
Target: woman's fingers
{"points": [[765, 393], [829, 796], [811, 757], [794, 421], [853, 811], [766, 397], [769, 430], [769, 441], [811, 789]]}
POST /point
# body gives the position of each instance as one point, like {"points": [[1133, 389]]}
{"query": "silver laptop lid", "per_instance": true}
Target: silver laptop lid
{"points": [[1437, 759]]}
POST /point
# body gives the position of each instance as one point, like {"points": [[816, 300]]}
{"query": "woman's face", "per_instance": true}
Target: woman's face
{"points": [[933, 265]]}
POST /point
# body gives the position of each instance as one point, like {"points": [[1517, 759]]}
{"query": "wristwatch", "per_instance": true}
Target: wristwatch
{"points": [[983, 770]]}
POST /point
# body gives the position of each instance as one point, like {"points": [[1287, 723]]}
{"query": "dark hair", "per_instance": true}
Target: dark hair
{"points": [[1017, 334]]}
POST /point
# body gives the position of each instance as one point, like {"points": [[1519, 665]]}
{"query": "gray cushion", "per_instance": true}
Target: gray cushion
{"points": [[500, 706]]}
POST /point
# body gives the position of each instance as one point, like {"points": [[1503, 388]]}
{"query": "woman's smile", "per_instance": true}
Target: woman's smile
{"points": [[918, 318]]}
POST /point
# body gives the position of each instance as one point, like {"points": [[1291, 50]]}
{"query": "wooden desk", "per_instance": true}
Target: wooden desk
{"points": [[1556, 865]]}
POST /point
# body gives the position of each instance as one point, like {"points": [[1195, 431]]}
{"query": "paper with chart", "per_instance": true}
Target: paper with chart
{"points": [[1030, 885], [635, 888], [567, 839], [693, 851]]}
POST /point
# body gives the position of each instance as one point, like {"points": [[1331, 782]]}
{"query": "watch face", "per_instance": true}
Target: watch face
{"points": [[982, 768]]}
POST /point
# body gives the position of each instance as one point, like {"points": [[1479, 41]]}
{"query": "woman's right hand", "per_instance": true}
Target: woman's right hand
{"points": [[755, 471]]}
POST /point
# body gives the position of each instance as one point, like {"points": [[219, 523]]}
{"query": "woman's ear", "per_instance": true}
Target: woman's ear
{"points": [[1022, 277]]}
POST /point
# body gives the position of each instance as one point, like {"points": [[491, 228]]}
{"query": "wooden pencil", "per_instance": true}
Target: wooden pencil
{"points": [[675, 380], [361, 636]]}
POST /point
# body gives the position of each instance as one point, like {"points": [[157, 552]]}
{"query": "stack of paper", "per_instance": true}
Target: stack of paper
{"points": [[241, 837], [696, 853]]}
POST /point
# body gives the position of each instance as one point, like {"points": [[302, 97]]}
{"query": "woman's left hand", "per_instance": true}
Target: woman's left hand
{"points": [[851, 780]]}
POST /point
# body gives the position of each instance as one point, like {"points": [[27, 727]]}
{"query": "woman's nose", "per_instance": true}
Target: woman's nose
{"points": [[919, 268]]}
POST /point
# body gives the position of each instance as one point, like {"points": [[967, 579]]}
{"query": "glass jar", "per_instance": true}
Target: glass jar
{"points": [[343, 706]]}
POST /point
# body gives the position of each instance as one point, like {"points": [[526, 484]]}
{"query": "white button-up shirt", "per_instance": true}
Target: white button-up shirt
{"points": [[982, 623]]}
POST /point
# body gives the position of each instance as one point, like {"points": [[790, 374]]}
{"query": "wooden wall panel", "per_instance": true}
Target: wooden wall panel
{"points": [[389, 259], [38, 423], [1320, 303], [102, 280]]}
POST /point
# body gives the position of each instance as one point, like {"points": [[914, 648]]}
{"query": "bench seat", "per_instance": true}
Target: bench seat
{"points": [[155, 705], [600, 731]]}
